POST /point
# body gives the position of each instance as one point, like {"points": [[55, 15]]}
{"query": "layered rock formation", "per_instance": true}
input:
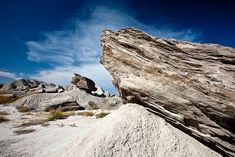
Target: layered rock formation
{"points": [[190, 85], [69, 100]]}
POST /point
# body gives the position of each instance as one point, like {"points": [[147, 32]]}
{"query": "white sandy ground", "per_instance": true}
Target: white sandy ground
{"points": [[130, 131], [45, 141]]}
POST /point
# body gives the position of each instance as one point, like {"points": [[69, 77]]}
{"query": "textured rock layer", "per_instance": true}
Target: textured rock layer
{"points": [[191, 85]]}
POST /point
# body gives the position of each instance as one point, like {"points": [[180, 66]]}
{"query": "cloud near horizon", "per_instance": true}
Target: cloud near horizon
{"points": [[77, 48], [8, 74]]}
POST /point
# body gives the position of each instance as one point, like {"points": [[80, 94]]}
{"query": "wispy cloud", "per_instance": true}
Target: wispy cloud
{"points": [[77, 47], [8, 75]]}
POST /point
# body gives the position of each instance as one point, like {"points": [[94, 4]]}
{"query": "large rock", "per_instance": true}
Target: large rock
{"points": [[47, 101], [83, 83], [64, 103], [133, 131], [191, 85]]}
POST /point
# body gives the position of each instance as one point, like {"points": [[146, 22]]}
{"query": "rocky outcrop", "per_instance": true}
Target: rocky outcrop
{"points": [[64, 103], [190, 85], [25, 87], [132, 131], [21, 85], [83, 83], [68, 100]]}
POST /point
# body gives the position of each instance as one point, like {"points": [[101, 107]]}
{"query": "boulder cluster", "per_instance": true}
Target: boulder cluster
{"points": [[23, 86]]}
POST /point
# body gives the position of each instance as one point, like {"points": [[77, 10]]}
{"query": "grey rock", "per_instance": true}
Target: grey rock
{"points": [[7, 87], [190, 85], [51, 90], [41, 90], [83, 83], [70, 87], [81, 97], [64, 103], [24, 87]]}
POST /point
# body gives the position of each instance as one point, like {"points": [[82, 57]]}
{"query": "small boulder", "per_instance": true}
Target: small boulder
{"points": [[83, 83]]}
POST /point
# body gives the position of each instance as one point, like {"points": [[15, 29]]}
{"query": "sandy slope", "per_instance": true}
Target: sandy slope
{"points": [[129, 131], [133, 131]]}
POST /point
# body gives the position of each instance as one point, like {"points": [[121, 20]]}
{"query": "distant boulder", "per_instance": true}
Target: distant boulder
{"points": [[24, 87], [83, 83]]}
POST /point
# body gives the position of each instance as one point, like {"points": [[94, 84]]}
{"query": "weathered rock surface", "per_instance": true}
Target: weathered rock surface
{"points": [[68, 100], [70, 87], [133, 131], [190, 85], [25, 87], [83, 83], [65, 103]]}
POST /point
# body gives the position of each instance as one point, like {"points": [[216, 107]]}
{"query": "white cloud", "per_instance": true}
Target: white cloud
{"points": [[77, 48], [8, 75]]}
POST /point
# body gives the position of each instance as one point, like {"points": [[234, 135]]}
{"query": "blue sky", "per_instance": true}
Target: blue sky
{"points": [[50, 40]]}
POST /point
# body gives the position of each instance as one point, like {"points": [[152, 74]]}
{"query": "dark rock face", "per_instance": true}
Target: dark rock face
{"points": [[83, 83], [190, 85], [1, 84]]}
